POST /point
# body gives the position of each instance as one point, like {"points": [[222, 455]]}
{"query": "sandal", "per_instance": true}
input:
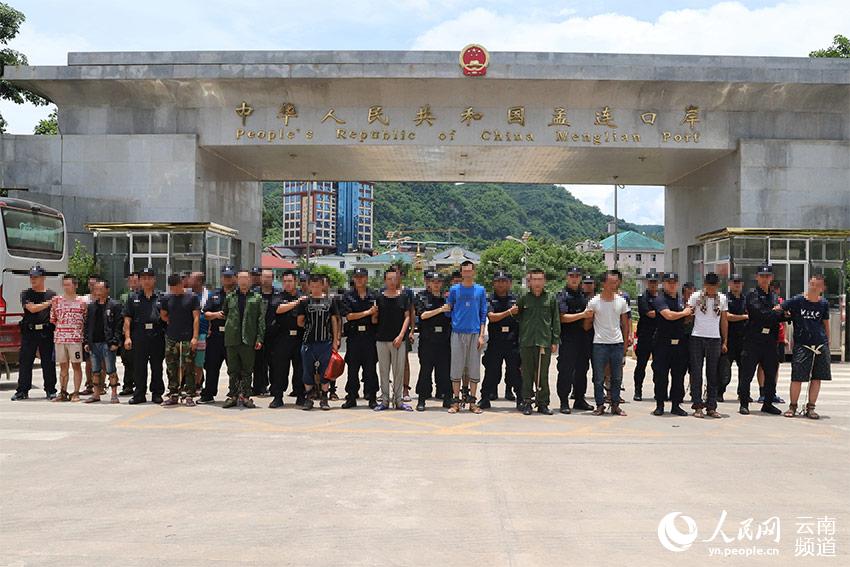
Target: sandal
{"points": [[473, 407], [791, 411], [91, 400], [75, 397], [455, 407], [615, 410], [810, 412], [600, 410], [713, 413], [114, 399], [62, 397]]}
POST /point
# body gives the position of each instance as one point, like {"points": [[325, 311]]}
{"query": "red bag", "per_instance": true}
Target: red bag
{"points": [[336, 366]]}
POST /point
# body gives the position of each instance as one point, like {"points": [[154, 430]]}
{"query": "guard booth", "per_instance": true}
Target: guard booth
{"points": [[795, 255], [120, 248]]}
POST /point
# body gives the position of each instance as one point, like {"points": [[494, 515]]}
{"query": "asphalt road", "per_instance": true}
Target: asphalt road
{"points": [[143, 485]]}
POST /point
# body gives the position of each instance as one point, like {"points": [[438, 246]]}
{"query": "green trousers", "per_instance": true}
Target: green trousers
{"points": [[240, 367], [532, 361]]}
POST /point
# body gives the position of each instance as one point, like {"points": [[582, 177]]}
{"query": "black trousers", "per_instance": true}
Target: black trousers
{"points": [[361, 356], [572, 370], [435, 360], [284, 352], [643, 350], [755, 354], [127, 359], [497, 354], [148, 349], [735, 348], [669, 365], [30, 343], [213, 359]]}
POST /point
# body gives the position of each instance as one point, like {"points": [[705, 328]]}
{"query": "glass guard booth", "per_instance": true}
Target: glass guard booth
{"points": [[120, 248], [794, 254]]}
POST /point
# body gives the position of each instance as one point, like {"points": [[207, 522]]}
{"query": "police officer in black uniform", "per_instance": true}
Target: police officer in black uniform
{"points": [[647, 323], [435, 330], [216, 353], [285, 349], [737, 317], [256, 276], [36, 335], [144, 333], [502, 344], [572, 304], [670, 356], [760, 336], [357, 307], [262, 357]]}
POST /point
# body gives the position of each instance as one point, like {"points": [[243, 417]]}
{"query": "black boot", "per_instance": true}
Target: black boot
{"points": [[349, 403], [582, 405], [676, 410], [565, 408], [544, 409], [420, 404], [744, 409], [277, 402], [659, 408], [527, 407], [771, 409], [485, 402]]}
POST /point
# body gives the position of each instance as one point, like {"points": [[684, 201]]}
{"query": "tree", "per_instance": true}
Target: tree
{"points": [[553, 258], [337, 278], [81, 265], [49, 126], [840, 48], [10, 24]]}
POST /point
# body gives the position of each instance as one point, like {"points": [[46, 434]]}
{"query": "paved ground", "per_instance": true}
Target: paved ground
{"points": [[142, 485]]}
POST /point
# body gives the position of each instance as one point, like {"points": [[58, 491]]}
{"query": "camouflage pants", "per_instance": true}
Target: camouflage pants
{"points": [[179, 367], [240, 366]]}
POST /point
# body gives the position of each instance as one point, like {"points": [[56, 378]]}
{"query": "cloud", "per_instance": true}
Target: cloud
{"points": [[637, 204], [728, 28]]}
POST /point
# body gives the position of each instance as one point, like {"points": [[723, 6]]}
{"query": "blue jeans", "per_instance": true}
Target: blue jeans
{"points": [[102, 358], [315, 358], [607, 354]]}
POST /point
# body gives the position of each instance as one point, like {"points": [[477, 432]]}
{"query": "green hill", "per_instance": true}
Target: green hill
{"points": [[487, 211]]}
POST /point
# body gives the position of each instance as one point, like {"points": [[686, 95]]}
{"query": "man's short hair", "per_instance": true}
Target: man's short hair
{"points": [[466, 263], [174, 279], [316, 278], [617, 273], [389, 271], [104, 281], [533, 271], [70, 277], [288, 273], [133, 273]]}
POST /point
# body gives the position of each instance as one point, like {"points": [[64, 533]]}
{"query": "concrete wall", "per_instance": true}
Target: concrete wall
{"points": [[700, 202]]}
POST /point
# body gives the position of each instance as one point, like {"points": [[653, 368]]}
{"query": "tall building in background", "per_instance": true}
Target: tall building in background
{"points": [[342, 211]]}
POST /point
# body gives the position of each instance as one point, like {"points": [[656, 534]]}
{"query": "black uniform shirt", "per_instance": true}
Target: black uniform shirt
{"points": [[506, 330], [144, 313], [42, 317], [763, 321], [353, 303], [180, 320], [647, 325], [572, 301], [214, 304], [669, 329], [737, 306], [437, 328], [286, 323]]}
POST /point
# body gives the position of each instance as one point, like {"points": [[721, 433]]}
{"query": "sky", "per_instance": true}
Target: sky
{"points": [[757, 27]]}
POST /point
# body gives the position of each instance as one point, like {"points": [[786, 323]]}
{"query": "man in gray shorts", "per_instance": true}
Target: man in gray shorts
{"points": [[467, 302]]}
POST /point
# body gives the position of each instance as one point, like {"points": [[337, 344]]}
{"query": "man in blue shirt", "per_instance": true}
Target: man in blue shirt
{"points": [[809, 313], [467, 302]]}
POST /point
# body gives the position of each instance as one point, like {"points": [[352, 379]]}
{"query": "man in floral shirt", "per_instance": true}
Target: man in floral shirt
{"points": [[68, 313]]}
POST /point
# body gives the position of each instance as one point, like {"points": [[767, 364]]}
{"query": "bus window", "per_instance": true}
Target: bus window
{"points": [[33, 234]]}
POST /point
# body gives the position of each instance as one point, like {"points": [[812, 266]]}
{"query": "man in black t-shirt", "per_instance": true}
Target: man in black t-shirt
{"points": [[182, 312], [319, 316], [36, 335]]}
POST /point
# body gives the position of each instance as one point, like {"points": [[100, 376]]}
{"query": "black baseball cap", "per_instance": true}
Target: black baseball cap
{"points": [[736, 278], [303, 275], [574, 270], [670, 276], [501, 275], [360, 272], [228, 270], [653, 276], [588, 279], [765, 270], [148, 271], [711, 278], [256, 271], [36, 271]]}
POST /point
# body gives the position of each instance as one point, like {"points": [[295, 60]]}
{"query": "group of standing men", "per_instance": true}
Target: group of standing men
{"points": [[263, 333]]}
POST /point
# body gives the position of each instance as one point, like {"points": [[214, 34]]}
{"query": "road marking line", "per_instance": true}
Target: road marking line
{"points": [[30, 435]]}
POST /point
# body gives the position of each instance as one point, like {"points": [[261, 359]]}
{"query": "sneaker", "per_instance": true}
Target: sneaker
{"points": [[565, 410], [229, 403], [485, 403], [771, 409], [156, 398], [248, 403], [381, 407], [189, 402], [420, 405], [744, 410], [404, 407], [544, 409], [637, 398], [277, 402], [308, 404], [659, 410], [203, 400], [373, 403], [676, 410], [324, 404], [582, 405], [168, 402], [51, 396], [526, 408], [349, 403], [135, 401], [126, 392]]}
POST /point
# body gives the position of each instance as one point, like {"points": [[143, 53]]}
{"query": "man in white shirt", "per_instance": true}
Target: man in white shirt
{"points": [[611, 338], [708, 341]]}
